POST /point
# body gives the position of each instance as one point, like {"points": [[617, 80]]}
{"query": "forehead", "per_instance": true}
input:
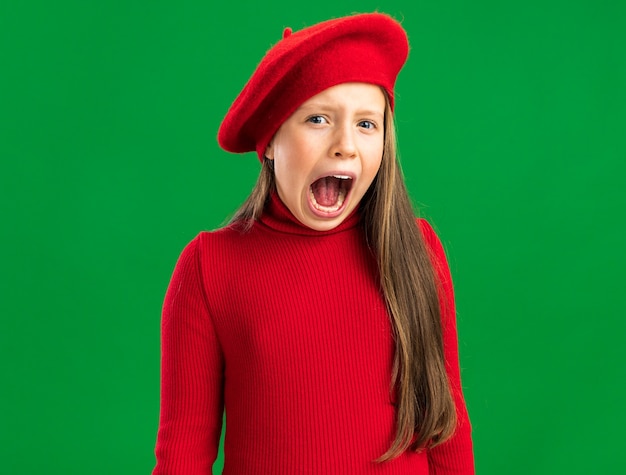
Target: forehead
{"points": [[352, 96]]}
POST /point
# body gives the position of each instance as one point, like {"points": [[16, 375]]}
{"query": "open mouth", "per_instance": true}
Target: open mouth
{"points": [[329, 193]]}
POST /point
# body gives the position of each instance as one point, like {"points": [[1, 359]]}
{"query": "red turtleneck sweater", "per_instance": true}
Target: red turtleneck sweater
{"points": [[285, 329]]}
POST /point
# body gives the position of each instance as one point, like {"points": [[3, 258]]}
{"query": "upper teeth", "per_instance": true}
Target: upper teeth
{"points": [[342, 177]]}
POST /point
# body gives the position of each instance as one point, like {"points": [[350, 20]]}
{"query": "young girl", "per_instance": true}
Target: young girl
{"points": [[322, 318]]}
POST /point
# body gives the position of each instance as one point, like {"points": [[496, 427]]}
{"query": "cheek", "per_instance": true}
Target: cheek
{"points": [[374, 160], [294, 161], [289, 174], [284, 179], [371, 173], [286, 172]]}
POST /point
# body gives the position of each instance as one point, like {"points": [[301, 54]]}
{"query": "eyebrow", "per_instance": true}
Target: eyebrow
{"points": [[324, 107]]}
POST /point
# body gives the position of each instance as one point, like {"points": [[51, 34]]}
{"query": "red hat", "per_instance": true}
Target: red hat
{"points": [[369, 48]]}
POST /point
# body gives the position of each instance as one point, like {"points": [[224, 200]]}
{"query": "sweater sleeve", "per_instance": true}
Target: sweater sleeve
{"points": [[455, 456], [191, 375]]}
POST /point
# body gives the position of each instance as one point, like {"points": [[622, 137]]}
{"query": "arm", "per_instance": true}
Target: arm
{"points": [[455, 456], [191, 375]]}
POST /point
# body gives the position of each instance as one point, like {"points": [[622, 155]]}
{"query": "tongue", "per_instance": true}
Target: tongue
{"points": [[326, 190]]}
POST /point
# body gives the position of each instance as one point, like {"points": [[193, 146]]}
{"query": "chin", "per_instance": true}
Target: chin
{"points": [[323, 224]]}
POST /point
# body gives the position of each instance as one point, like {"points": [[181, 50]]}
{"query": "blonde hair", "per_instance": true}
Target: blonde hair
{"points": [[425, 410]]}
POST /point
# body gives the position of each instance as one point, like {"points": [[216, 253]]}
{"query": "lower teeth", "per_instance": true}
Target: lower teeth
{"points": [[328, 209]]}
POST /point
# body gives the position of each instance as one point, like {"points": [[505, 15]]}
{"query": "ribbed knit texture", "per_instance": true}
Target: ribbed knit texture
{"points": [[285, 328]]}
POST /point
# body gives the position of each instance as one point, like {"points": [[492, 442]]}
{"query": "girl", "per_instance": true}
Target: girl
{"points": [[321, 319]]}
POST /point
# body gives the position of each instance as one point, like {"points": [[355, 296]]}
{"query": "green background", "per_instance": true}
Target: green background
{"points": [[511, 119]]}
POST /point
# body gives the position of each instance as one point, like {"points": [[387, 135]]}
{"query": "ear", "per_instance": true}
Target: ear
{"points": [[269, 150]]}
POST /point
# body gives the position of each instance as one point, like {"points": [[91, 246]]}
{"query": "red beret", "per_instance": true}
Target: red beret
{"points": [[369, 48]]}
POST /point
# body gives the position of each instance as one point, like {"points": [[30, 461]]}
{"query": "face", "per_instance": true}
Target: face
{"points": [[328, 152]]}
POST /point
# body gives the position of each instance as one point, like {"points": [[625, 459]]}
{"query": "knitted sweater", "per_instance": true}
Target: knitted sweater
{"points": [[285, 329]]}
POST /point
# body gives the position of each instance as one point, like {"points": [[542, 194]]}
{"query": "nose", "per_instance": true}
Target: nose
{"points": [[343, 145]]}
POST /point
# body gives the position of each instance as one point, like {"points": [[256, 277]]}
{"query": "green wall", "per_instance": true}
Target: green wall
{"points": [[511, 120]]}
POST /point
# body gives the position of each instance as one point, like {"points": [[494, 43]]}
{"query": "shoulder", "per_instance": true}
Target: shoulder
{"points": [[224, 248], [208, 259], [206, 244], [443, 276], [432, 241], [216, 237], [210, 243], [436, 252], [425, 227]]}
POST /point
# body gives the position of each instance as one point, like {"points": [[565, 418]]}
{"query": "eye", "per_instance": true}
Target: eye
{"points": [[367, 124], [316, 119]]}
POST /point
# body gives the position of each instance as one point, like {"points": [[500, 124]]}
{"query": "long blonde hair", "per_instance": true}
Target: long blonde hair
{"points": [[425, 410]]}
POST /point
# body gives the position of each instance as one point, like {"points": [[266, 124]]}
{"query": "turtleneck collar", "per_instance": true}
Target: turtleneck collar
{"points": [[278, 217]]}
